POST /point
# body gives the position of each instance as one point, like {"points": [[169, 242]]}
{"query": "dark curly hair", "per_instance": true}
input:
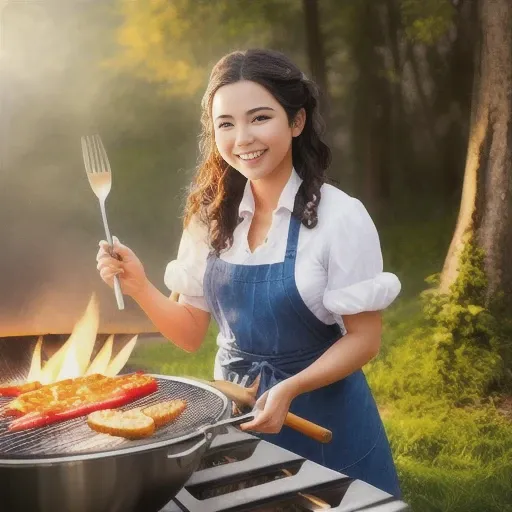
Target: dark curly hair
{"points": [[217, 188]]}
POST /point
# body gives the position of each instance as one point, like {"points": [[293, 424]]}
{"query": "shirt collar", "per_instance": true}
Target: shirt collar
{"points": [[286, 199]]}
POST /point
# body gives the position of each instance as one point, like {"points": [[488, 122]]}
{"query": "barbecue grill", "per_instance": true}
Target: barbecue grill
{"points": [[200, 463], [68, 467]]}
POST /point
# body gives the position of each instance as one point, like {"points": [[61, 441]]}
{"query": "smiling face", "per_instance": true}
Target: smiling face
{"points": [[252, 130]]}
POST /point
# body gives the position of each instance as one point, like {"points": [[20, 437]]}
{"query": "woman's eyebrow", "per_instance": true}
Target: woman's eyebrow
{"points": [[257, 109], [249, 112]]}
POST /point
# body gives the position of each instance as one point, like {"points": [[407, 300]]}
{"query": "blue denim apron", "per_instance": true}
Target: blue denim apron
{"points": [[275, 335]]}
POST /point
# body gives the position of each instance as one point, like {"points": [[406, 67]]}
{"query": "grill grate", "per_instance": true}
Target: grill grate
{"points": [[74, 437]]}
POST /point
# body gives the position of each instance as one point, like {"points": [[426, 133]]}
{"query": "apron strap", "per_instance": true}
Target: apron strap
{"points": [[291, 246]]}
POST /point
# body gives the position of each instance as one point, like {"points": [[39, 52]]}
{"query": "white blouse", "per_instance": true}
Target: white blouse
{"points": [[339, 267]]}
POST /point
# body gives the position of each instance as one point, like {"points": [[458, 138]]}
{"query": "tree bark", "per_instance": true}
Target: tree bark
{"points": [[402, 170], [424, 105], [485, 209], [315, 49], [453, 98], [371, 112], [494, 234]]}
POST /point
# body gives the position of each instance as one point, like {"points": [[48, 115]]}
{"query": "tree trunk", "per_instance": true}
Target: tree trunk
{"points": [[494, 234], [403, 177], [427, 119], [453, 99], [371, 112], [486, 203], [315, 49]]}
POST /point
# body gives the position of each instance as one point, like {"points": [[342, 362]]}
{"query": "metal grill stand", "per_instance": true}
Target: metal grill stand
{"points": [[242, 473]]}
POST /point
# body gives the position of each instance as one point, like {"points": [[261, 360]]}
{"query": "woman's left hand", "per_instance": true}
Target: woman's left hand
{"points": [[272, 408]]}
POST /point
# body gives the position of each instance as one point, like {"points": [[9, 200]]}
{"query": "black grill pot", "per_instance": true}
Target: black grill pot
{"points": [[68, 467]]}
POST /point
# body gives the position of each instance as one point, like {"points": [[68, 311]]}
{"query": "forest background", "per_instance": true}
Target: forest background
{"points": [[417, 96]]}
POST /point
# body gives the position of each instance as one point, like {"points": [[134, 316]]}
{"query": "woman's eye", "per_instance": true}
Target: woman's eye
{"points": [[261, 118], [224, 125]]}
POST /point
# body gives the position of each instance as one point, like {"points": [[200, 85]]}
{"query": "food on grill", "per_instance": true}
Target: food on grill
{"points": [[165, 412], [78, 391], [73, 398], [18, 390], [136, 423], [130, 424]]}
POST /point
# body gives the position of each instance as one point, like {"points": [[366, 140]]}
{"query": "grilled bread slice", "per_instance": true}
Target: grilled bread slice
{"points": [[129, 424], [165, 412]]}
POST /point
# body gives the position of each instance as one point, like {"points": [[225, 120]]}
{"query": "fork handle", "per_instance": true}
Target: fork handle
{"points": [[117, 287], [118, 293]]}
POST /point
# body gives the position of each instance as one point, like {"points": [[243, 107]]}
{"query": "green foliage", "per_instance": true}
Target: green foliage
{"points": [[452, 446], [466, 333], [175, 44], [454, 351], [426, 21]]}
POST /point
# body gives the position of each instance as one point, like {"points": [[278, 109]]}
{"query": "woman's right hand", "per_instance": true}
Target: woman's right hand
{"points": [[128, 267]]}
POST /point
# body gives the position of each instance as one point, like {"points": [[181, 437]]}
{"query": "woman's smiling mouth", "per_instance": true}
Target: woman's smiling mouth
{"points": [[251, 156]]}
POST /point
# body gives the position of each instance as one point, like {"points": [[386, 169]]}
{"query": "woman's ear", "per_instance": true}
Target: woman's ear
{"points": [[298, 123]]}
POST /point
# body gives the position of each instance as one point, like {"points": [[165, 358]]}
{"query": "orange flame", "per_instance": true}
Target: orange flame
{"points": [[73, 359]]}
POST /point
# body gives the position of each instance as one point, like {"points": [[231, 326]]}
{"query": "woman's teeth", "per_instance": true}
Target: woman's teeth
{"points": [[252, 156]]}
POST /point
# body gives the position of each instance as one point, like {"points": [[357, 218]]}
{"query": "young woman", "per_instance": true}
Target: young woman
{"points": [[288, 266]]}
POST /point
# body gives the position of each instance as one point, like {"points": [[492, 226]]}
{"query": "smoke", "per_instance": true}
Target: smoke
{"points": [[50, 79]]}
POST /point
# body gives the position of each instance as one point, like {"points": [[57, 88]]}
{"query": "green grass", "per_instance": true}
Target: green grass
{"points": [[453, 460], [433, 489], [160, 356]]}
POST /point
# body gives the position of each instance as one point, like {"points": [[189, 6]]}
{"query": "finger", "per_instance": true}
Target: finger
{"points": [[253, 388], [248, 426], [122, 250], [267, 425], [108, 275], [107, 250], [119, 272], [262, 400], [103, 252], [260, 421], [264, 429], [110, 263], [106, 259]]}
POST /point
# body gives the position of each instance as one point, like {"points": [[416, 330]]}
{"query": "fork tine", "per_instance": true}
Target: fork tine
{"points": [[90, 152], [103, 154], [86, 156], [96, 154]]}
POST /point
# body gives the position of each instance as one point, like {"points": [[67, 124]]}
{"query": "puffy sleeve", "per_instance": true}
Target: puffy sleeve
{"points": [[185, 274], [356, 281]]}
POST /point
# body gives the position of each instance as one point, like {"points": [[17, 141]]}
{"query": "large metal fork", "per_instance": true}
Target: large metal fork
{"points": [[99, 173]]}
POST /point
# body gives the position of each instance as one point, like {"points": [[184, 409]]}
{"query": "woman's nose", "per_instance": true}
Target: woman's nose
{"points": [[244, 137]]}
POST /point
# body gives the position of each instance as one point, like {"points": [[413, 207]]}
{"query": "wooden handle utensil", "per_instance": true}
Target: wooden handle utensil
{"points": [[244, 398], [308, 428]]}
